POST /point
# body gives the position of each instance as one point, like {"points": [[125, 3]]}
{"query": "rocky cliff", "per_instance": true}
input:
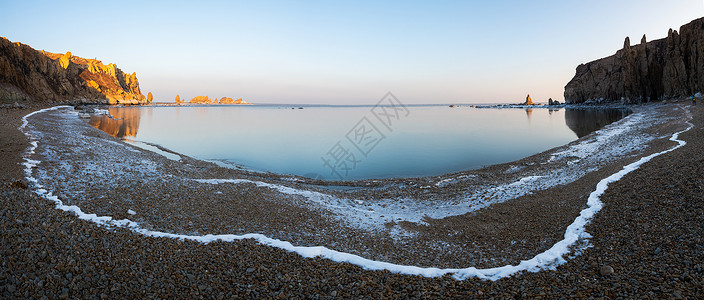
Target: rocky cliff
{"points": [[672, 67], [30, 75]]}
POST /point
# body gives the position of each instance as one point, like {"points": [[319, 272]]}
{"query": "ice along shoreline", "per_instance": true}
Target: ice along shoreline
{"points": [[546, 260]]}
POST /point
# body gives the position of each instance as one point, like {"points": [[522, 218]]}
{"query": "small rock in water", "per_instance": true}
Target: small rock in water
{"points": [[606, 270], [131, 212]]}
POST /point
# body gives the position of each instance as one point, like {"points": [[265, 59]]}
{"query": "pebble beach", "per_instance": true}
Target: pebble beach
{"points": [[647, 241]]}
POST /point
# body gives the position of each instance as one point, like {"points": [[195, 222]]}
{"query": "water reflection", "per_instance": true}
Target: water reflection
{"points": [[431, 141], [586, 121], [124, 122]]}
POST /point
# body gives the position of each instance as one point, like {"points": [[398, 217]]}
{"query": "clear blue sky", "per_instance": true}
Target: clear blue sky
{"points": [[345, 51]]}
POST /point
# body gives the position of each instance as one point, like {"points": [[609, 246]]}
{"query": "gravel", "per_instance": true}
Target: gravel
{"points": [[648, 239]]}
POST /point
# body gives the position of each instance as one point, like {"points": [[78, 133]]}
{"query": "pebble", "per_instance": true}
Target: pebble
{"points": [[606, 270]]}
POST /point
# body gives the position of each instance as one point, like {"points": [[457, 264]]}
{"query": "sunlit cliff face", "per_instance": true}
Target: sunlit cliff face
{"points": [[124, 122]]}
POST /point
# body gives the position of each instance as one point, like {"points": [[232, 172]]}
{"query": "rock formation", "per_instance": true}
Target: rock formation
{"points": [[150, 98], [225, 100], [207, 100], [30, 75], [553, 102], [672, 67], [528, 101], [200, 100], [178, 99]]}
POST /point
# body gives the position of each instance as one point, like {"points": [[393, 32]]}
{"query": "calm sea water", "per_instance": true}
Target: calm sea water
{"points": [[354, 142]]}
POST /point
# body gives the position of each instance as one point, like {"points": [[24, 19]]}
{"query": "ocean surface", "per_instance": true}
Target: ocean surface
{"points": [[353, 142]]}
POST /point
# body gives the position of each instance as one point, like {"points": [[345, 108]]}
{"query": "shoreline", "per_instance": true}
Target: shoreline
{"points": [[604, 105], [402, 225], [246, 269]]}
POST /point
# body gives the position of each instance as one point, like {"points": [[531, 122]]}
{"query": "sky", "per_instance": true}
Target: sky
{"points": [[345, 52]]}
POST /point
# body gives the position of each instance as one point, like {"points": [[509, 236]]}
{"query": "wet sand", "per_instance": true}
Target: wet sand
{"points": [[164, 198]]}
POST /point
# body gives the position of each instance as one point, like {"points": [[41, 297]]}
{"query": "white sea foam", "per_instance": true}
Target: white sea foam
{"points": [[549, 259]]}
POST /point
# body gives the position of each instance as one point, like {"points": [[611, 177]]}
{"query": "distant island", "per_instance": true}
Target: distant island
{"points": [[207, 100]]}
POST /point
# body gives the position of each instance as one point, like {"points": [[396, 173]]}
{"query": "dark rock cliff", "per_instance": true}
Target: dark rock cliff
{"points": [[666, 68], [30, 75]]}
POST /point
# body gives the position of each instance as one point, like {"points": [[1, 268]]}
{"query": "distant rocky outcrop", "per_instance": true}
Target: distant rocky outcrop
{"points": [[240, 101], [30, 75], [553, 102], [529, 101], [586, 121], [200, 100], [223, 100], [672, 67], [226, 100]]}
